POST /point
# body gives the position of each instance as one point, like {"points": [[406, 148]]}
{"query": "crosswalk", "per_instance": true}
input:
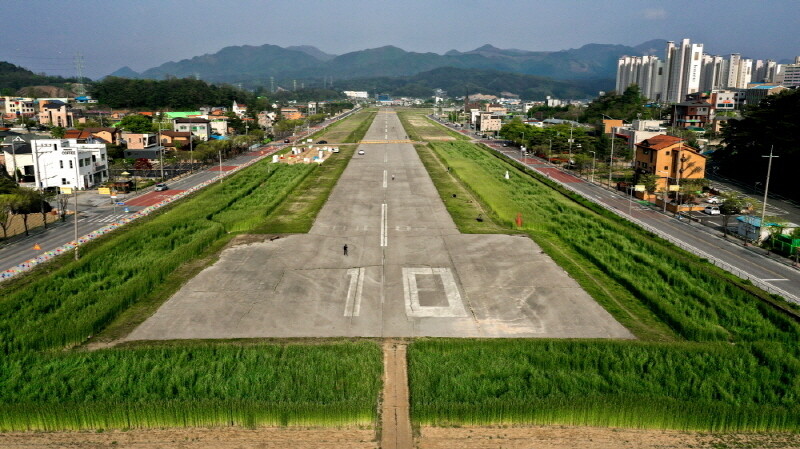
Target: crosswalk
{"points": [[103, 218]]}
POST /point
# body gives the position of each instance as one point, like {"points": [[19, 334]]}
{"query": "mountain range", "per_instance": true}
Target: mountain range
{"points": [[261, 65]]}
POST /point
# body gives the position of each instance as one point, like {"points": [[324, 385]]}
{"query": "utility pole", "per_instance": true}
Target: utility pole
{"points": [[75, 193], [766, 189]]}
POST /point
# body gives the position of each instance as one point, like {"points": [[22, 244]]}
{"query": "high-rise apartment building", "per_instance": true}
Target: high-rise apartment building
{"points": [[685, 70]]}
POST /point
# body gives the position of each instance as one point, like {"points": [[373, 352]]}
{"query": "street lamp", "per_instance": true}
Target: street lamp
{"points": [[594, 155]]}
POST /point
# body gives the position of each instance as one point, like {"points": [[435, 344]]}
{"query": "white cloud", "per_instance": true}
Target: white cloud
{"points": [[655, 13]]}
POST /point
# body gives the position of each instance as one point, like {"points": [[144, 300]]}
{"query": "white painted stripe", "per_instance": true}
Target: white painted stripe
{"points": [[771, 280], [384, 221], [353, 305], [384, 179], [454, 307]]}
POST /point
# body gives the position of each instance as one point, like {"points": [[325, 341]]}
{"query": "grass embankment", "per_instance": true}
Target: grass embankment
{"points": [[125, 275], [739, 375], [194, 385]]}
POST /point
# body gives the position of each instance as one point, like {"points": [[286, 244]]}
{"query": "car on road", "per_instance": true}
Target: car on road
{"points": [[285, 140], [322, 142], [361, 152], [160, 187], [711, 210]]}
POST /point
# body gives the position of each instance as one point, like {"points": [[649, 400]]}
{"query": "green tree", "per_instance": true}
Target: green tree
{"points": [[58, 132], [137, 123], [650, 181], [26, 202], [773, 124], [732, 204], [628, 106], [6, 212]]}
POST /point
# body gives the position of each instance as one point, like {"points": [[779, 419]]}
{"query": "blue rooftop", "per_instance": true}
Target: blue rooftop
{"points": [[753, 220]]}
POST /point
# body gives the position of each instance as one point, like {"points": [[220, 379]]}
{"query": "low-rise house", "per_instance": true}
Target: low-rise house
{"points": [[199, 127], [266, 119], [639, 131], [175, 139], [239, 109], [488, 122], [142, 146], [56, 113], [291, 114], [670, 159]]}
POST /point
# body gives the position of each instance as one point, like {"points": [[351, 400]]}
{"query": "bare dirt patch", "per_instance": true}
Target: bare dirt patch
{"points": [[217, 438], [558, 437]]}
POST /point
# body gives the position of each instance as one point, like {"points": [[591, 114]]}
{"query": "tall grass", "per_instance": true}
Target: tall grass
{"points": [[690, 295], [207, 385], [713, 387], [82, 297]]}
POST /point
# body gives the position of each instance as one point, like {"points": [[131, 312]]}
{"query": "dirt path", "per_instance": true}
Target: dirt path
{"points": [[195, 438], [395, 418], [566, 437]]}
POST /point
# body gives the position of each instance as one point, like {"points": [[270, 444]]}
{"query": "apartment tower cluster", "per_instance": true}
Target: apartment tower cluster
{"points": [[686, 69]]}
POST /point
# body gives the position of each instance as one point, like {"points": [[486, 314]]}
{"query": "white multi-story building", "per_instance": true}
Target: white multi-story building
{"points": [[357, 94], [790, 74], [59, 162]]}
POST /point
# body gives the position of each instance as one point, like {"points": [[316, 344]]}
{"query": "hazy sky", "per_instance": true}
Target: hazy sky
{"points": [[44, 36]]}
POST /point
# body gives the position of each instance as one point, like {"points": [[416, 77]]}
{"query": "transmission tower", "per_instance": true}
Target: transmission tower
{"points": [[80, 89]]}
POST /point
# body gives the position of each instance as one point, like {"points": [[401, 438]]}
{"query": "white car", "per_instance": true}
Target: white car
{"points": [[713, 200], [361, 152], [711, 210]]}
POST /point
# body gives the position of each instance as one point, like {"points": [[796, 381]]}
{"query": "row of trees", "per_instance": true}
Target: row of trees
{"points": [[20, 202], [556, 140], [173, 93]]}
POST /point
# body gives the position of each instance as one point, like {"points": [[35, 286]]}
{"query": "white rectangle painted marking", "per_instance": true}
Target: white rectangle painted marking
{"points": [[384, 221], [454, 307], [384, 179], [353, 305]]}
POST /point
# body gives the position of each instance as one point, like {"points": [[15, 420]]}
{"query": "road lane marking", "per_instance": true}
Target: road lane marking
{"points": [[384, 220], [384, 179], [771, 280], [353, 305], [454, 307]]}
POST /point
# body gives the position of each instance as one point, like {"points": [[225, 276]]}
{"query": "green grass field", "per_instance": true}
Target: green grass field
{"points": [[727, 360], [192, 385], [123, 277]]}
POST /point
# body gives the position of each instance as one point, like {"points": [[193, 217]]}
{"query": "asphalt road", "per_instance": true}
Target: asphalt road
{"points": [[408, 271]]}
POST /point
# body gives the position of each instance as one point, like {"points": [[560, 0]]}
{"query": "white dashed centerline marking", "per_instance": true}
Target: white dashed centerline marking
{"points": [[384, 237], [384, 179]]}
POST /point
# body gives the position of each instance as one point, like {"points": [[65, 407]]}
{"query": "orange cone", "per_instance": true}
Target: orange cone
{"points": [[37, 247]]}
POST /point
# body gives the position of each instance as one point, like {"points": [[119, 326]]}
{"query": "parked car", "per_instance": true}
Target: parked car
{"points": [[713, 200], [285, 140], [711, 210], [322, 142], [160, 187], [361, 152]]}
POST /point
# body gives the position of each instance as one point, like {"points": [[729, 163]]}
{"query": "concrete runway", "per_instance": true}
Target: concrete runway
{"points": [[408, 272]]}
